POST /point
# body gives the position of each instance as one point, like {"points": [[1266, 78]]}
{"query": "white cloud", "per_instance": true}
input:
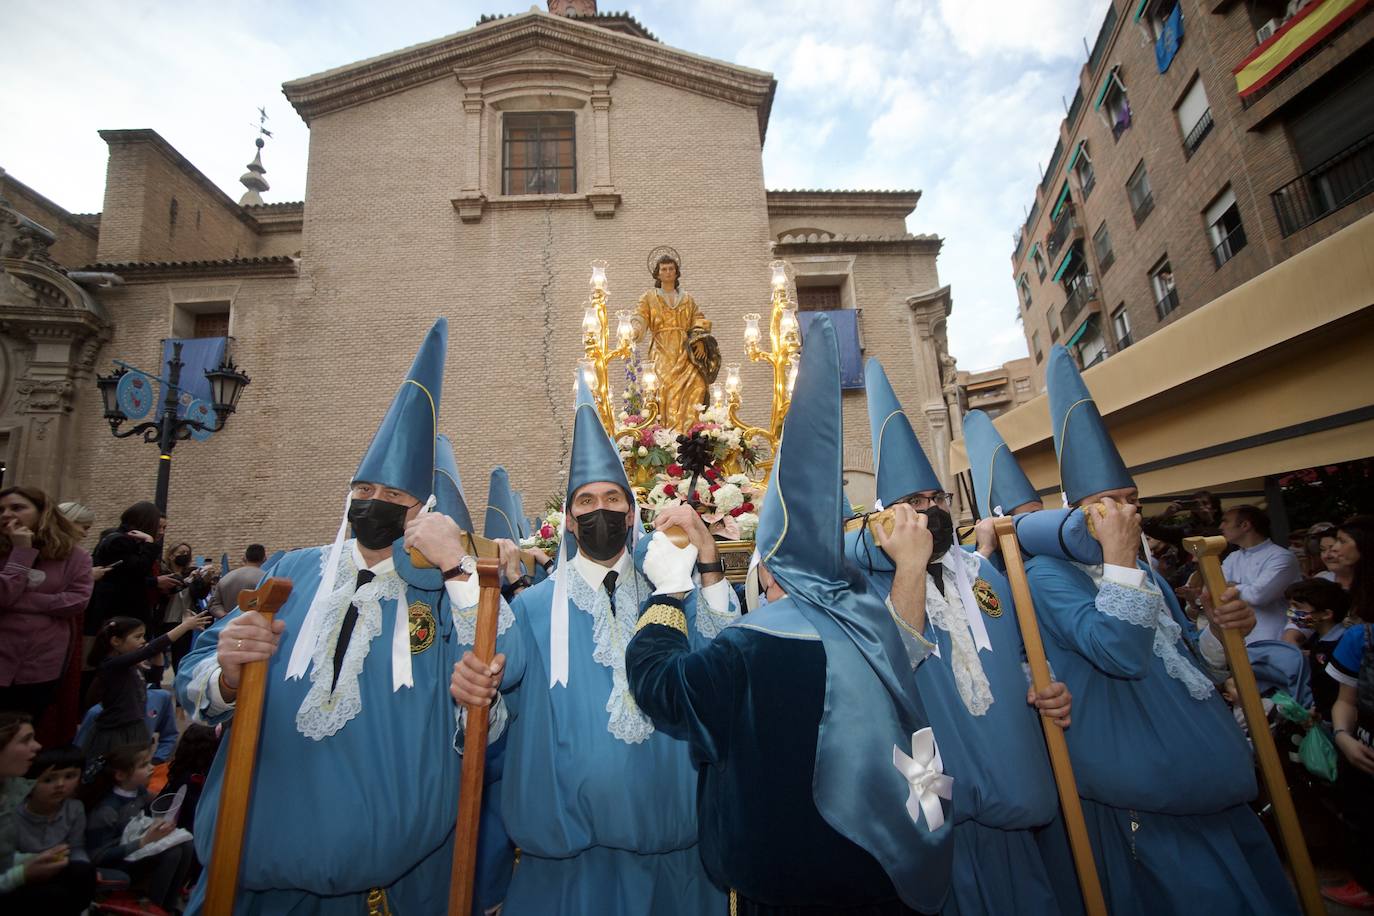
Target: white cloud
{"points": [[1041, 29]]}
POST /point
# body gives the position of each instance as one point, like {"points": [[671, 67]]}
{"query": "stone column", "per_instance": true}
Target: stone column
{"points": [[471, 196], [603, 196]]}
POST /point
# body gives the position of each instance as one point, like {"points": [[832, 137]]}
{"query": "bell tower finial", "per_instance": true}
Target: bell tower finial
{"points": [[253, 179]]}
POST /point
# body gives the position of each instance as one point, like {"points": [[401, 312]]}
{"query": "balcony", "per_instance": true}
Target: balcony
{"points": [[1297, 42], [1227, 248], [1195, 136], [1166, 304], [1326, 188], [1067, 224], [1082, 292]]}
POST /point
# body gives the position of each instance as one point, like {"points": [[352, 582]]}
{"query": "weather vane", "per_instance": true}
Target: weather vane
{"points": [[262, 126]]}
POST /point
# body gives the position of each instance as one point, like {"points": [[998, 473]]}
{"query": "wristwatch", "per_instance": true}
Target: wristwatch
{"points": [[548, 566], [455, 572], [510, 589], [716, 566]]}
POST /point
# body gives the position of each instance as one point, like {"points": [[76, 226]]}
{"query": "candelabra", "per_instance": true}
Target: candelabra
{"points": [[596, 342], [784, 349]]}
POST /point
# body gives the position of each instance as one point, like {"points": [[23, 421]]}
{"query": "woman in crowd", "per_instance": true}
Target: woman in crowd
{"points": [[1352, 715], [29, 883], [1340, 562], [45, 582], [131, 553]]}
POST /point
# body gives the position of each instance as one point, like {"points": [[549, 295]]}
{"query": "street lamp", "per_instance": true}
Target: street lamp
{"points": [[227, 382]]}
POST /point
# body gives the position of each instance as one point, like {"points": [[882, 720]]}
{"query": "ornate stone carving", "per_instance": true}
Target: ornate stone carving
{"points": [[45, 395], [23, 239]]}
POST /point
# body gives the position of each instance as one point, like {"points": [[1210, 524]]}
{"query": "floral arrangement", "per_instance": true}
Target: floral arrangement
{"points": [[545, 537], [728, 504]]}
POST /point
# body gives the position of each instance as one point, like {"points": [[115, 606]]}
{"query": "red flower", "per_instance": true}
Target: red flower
{"points": [[737, 511], [669, 490], [712, 473], [674, 470], [714, 487], [546, 531], [747, 507]]}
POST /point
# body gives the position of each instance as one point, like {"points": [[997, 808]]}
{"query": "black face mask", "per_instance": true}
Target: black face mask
{"points": [[184, 560], [941, 527], [376, 523], [601, 533]]}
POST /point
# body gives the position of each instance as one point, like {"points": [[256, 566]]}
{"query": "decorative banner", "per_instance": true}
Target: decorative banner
{"points": [[201, 412], [197, 355], [1300, 34], [135, 395]]}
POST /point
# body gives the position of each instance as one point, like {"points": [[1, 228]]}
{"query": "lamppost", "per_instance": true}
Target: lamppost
{"points": [[226, 384]]}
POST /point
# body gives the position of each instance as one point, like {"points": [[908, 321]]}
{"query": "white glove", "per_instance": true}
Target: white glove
{"points": [[669, 567]]}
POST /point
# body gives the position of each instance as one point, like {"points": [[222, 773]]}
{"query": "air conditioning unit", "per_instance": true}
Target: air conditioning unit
{"points": [[1266, 31]]}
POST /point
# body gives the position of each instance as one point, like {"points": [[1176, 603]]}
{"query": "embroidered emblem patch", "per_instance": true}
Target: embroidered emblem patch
{"points": [[987, 598], [422, 627]]}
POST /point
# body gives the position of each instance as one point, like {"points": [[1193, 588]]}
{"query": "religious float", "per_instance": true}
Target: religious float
{"points": [[675, 418]]}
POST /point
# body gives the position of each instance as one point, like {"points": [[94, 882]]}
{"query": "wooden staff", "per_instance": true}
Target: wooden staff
{"points": [[237, 785], [1208, 552], [1088, 883], [474, 748]]}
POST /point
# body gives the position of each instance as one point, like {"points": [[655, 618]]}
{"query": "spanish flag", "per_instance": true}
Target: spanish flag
{"points": [[1301, 33]]}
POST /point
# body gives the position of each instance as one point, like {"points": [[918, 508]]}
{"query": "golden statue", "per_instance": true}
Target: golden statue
{"points": [[685, 356]]}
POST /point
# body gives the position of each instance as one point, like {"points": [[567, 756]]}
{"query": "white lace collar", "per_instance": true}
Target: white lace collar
{"points": [[1117, 601], [611, 634], [324, 712], [947, 611]]}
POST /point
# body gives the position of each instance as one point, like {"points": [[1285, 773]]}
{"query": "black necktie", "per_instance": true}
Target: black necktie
{"points": [[346, 628], [608, 583]]}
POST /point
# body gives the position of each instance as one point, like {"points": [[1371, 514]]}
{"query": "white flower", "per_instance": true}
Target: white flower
{"points": [[748, 524], [642, 451], [728, 497], [664, 438], [704, 488], [739, 480], [626, 443]]}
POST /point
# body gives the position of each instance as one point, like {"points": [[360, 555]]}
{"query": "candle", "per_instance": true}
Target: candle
{"points": [[779, 269], [599, 275], [751, 329], [732, 379]]}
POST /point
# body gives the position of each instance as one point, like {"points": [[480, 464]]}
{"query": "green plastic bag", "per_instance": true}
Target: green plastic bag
{"points": [[1316, 751]]}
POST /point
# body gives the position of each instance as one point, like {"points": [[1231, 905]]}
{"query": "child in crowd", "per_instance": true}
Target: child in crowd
{"points": [[51, 814], [117, 792], [43, 880], [190, 763], [120, 648], [1316, 610]]}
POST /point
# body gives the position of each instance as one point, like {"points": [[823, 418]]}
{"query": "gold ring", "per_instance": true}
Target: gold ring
{"points": [[239, 645]]}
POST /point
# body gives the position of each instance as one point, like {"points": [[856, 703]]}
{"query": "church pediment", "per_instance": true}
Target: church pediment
{"points": [[569, 49]]}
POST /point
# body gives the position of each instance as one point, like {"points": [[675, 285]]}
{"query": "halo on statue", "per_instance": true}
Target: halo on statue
{"points": [[659, 252]]}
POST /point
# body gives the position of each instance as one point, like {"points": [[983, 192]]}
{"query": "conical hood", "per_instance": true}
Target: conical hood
{"points": [[999, 484], [448, 486], [899, 463], [521, 518], [799, 537], [503, 519], [595, 458], [402, 453], [1088, 460]]}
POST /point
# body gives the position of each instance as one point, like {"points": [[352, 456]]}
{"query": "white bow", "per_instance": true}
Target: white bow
{"points": [[925, 773]]}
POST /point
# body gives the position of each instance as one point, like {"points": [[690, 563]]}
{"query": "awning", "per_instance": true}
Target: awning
{"points": [[1225, 393], [1082, 329], [1107, 84], [1059, 204], [1140, 10], [1309, 27], [1035, 247], [1078, 150], [1064, 264]]}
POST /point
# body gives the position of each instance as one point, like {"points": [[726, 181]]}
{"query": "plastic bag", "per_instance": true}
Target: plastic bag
{"points": [[1316, 751]]}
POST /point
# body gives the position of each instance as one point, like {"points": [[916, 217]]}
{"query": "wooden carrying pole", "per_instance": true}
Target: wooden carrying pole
{"points": [[474, 748], [237, 785], [1208, 552], [1093, 901]]}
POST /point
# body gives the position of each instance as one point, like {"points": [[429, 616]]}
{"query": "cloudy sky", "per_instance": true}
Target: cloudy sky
{"points": [[959, 98]]}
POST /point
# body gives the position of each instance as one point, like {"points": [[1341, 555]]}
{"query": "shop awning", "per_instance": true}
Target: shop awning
{"points": [[1278, 52], [1064, 264], [1228, 392], [1059, 204]]}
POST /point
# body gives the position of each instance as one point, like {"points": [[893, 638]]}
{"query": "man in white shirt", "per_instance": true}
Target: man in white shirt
{"points": [[1260, 568]]}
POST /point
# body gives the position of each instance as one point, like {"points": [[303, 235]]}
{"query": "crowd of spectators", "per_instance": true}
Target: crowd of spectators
{"points": [[100, 772]]}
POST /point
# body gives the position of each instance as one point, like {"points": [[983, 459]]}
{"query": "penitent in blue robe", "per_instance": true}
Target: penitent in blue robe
{"points": [[371, 805], [601, 804], [1163, 769], [1005, 804]]}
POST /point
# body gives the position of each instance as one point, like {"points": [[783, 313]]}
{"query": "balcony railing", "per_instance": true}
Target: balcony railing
{"points": [[1167, 304], [1326, 188], [1079, 296], [1302, 60], [1060, 233], [1227, 248], [1195, 136]]}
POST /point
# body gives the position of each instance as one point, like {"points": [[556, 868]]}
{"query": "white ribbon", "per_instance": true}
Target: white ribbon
{"points": [[304, 647], [401, 674], [924, 772], [954, 562], [558, 614]]}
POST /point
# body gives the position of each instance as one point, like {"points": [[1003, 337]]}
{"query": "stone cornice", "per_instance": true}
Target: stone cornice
{"points": [[850, 244], [493, 42], [934, 303], [159, 271], [900, 204], [154, 139], [77, 221]]}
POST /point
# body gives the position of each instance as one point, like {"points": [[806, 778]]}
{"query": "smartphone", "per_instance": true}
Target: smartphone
{"points": [[115, 563]]}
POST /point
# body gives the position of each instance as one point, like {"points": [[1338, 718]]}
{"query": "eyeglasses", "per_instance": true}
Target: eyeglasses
{"points": [[919, 501]]}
